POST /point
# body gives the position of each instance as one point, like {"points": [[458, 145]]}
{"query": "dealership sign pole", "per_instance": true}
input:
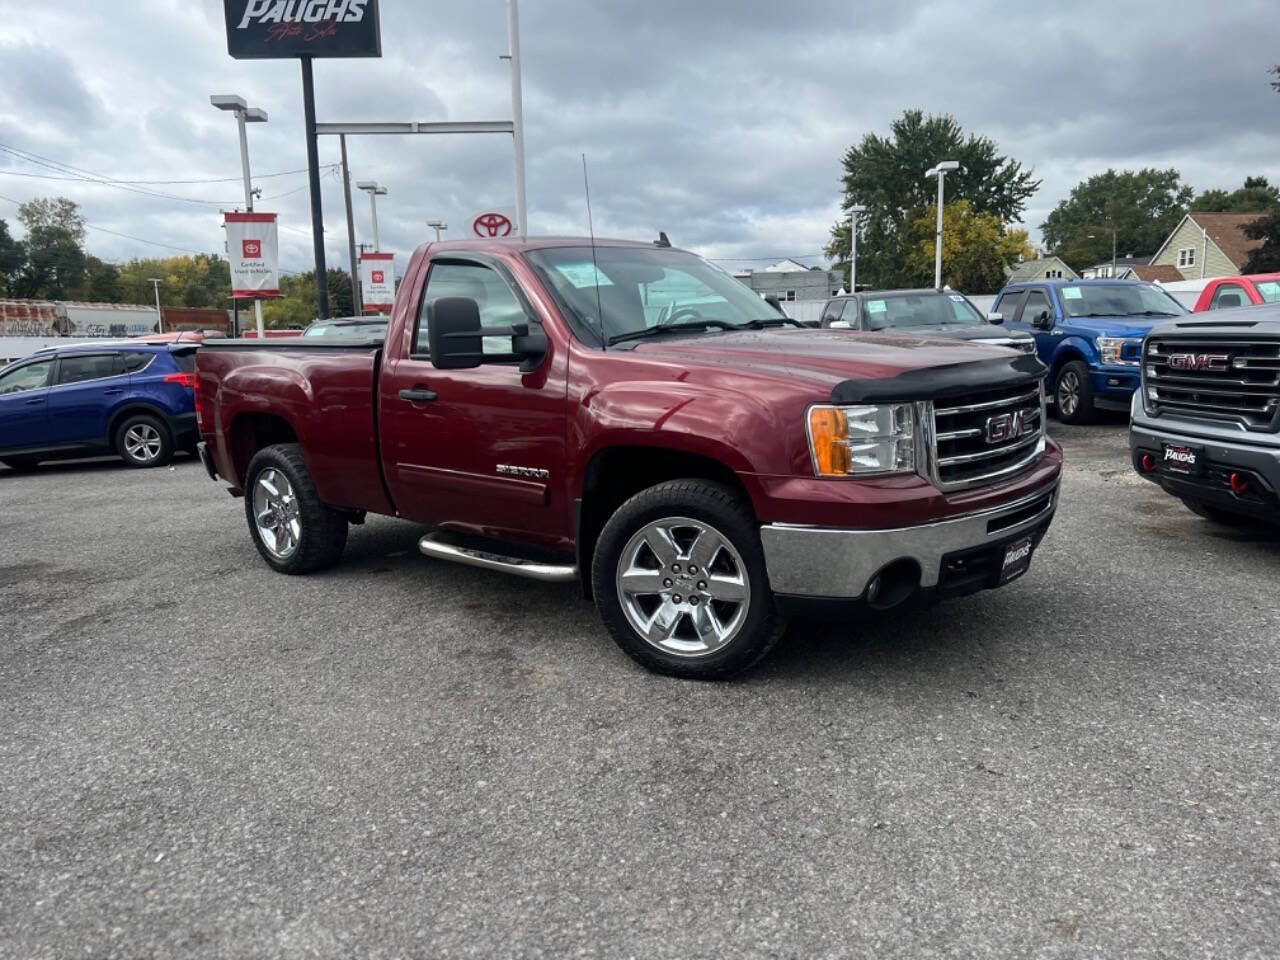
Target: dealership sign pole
{"points": [[305, 29]]}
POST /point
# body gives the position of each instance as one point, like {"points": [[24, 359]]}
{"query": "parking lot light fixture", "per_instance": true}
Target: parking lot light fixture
{"points": [[855, 213], [940, 171], [244, 114], [438, 226], [374, 190], [155, 282]]}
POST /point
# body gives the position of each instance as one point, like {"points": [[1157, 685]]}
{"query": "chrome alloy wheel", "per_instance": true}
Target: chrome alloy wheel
{"points": [[275, 511], [142, 442], [1068, 396], [683, 586]]}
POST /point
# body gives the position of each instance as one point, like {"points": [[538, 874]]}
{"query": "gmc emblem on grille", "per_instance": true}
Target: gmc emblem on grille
{"points": [[1208, 362], [1006, 426]]}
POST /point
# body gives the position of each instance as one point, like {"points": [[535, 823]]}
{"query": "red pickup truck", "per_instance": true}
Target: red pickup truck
{"points": [[703, 477], [1243, 291]]}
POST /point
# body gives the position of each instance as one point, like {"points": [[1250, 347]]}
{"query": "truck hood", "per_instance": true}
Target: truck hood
{"points": [[848, 366], [1115, 326], [977, 331]]}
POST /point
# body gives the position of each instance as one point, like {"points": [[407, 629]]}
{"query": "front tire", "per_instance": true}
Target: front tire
{"points": [[1072, 394], [680, 581], [293, 530]]}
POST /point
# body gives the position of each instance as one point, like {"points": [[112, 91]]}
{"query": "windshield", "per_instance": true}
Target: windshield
{"points": [[1119, 300], [641, 288], [930, 309]]}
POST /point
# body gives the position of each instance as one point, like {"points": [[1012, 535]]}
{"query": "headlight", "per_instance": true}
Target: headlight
{"points": [[862, 440], [1111, 347]]}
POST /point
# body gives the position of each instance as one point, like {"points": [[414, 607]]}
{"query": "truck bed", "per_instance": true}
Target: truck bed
{"points": [[321, 394]]}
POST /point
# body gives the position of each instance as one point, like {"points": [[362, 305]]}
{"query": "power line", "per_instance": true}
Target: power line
{"points": [[113, 181]]}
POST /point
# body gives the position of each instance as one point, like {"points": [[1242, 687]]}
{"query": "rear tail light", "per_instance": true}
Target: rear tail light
{"points": [[188, 380]]}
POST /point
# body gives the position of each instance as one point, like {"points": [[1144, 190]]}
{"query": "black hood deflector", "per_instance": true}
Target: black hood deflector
{"points": [[933, 383]]}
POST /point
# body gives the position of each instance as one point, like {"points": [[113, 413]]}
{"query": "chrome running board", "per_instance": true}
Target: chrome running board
{"points": [[547, 572]]}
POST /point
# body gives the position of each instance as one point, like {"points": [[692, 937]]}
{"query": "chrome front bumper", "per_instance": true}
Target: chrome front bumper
{"points": [[809, 561]]}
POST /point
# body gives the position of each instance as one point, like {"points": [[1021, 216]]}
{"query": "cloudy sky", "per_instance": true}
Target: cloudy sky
{"points": [[721, 123]]}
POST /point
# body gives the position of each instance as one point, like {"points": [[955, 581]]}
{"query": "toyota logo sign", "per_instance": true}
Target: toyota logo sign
{"points": [[492, 225]]}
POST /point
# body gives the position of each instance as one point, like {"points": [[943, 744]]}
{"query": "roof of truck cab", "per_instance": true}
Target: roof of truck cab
{"points": [[515, 244]]}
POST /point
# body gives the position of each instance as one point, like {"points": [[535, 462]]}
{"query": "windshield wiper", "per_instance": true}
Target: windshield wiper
{"points": [[1154, 313], [685, 326], [762, 322]]}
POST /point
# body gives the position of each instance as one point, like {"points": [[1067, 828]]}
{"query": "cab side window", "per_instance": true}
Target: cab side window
{"points": [[498, 305], [832, 311], [1007, 305], [31, 377], [96, 366], [1037, 303], [850, 315]]}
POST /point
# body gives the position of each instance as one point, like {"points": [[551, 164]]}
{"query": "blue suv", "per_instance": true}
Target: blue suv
{"points": [[1089, 334], [85, 400]]}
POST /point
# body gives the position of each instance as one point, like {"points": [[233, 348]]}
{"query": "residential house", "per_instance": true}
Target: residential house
{"points": [[1047, 268], [1123, 268], [789, 280], [1208, 245], [1158, 273]]}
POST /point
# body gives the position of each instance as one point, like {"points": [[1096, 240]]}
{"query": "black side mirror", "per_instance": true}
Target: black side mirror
{"points": [[1043, 320], [453, 333]]}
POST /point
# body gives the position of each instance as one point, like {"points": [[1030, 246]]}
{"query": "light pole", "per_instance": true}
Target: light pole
{"points": [[517, 111], [855, 212], [374, 191], [155, 282], [940, 171], [244, 114], [437, 225]]}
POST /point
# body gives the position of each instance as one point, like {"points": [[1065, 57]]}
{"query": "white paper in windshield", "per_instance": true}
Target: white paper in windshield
{"points": [[583, 275], [875, 306], [1071, 293]]}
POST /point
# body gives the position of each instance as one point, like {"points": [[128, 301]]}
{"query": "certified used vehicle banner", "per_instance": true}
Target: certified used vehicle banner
{"points": [[253, 249], [377, 282]]}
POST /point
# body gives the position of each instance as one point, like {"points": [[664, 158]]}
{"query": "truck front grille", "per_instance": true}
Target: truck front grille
{"points": [[1235, 380], [987, 436]]}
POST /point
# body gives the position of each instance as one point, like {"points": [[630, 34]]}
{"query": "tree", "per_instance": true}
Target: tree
{"points": [[1256, 195], [886, 175], [13, 255], [976, 248], [55, 264], [1266, 258], [101, 283], [53, 212], [203, 280], [1143, 206]]}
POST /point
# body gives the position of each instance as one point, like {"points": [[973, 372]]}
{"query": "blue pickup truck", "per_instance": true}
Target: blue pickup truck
{"points": [[1089, 334]]}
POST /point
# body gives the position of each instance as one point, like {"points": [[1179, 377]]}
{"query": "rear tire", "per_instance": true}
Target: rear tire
{"points": [[1072, 394], [293, 530], [144, 440], [679, 578]]}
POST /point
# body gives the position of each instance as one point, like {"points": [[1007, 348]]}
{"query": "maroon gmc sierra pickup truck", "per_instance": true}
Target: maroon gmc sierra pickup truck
{"points": [[628, 416]]}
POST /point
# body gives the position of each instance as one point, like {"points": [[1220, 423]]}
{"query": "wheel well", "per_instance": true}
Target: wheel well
{"points": [[616, 474], [124, 413], [250, 432], [1061, 360]]}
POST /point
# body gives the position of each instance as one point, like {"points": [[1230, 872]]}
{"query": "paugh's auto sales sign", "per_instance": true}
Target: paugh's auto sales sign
{"points": [[253, 249], [271, 29]]}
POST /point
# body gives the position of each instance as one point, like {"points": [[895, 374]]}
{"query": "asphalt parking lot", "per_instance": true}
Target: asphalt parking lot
{"points": [[407, 758]]}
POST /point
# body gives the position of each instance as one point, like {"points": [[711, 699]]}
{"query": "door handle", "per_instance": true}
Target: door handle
{"points": [[113, 391], [32, 403], [418, 395]]}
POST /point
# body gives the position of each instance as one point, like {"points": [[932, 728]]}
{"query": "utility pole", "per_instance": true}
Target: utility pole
{"points": [[313, 170], [856, 211], [437, 226], [351, 228], [155, 282]]}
